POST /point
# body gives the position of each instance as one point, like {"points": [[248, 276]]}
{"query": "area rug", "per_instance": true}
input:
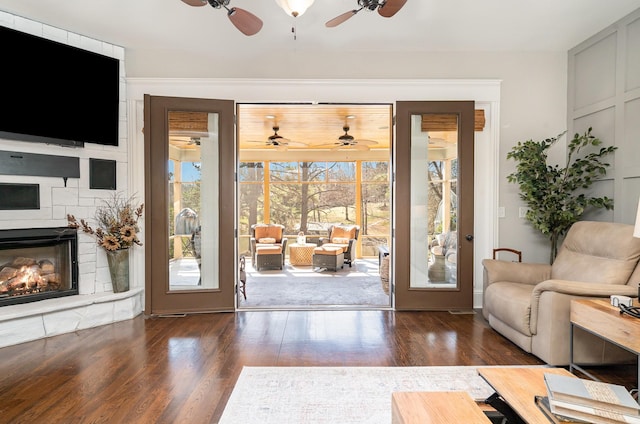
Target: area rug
{"points": [[308, 287], [330, 395]]}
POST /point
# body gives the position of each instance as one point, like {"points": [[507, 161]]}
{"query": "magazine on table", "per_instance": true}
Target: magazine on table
{"points": [[594, 401], [543, 403]]}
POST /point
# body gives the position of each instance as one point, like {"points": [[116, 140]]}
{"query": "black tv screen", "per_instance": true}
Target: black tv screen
{"points": [[56, 93]]}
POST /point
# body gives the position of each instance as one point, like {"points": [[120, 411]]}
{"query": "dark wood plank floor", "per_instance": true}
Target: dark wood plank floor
{"points": [[183, 369]]}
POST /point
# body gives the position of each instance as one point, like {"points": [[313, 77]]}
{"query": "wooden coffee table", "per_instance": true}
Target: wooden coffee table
{"points": [[435, 408], [518, 386]]}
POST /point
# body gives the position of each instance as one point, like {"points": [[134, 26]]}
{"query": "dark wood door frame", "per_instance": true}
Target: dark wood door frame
{"points": [[158, 298], [408, 298]]}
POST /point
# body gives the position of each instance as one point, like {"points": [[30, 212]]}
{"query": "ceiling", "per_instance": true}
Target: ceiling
{"points": [[314, 126], [311, 131], [201, 41], [303, 127]]}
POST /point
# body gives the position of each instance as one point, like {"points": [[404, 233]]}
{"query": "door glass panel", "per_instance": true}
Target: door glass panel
{"points": [[434, 205], [193, 216]]}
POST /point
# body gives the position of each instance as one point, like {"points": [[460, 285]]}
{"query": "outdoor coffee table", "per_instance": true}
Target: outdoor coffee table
{"points": [[301, 254]]}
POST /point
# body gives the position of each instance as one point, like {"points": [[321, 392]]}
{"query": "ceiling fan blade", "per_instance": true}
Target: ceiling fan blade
{"points": [[246, 22], [187, 133], [195, 2], [340, 19], [366, 142], [281, 148], [390, 8], [324, 146], [360, 147], [437, 142], [297, 144], [277, 140]]}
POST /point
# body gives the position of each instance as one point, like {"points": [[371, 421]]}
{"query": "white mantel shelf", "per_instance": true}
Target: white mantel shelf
{"points": [[50, 317]]}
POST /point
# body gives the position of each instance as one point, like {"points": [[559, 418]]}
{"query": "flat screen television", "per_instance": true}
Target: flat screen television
{"points": [[55, 93]]}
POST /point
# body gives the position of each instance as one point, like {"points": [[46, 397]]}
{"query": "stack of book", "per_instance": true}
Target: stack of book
{"points": [[571, 399]]}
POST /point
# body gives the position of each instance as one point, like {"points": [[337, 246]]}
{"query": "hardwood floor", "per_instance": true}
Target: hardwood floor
{"points": [[183, 369]]}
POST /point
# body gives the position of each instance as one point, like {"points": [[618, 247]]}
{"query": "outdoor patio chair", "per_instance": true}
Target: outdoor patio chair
{"points": [[268, 246], [343, 236]]}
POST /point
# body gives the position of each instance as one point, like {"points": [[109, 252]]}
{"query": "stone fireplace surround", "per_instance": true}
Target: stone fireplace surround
{"points": [[96, 304]]}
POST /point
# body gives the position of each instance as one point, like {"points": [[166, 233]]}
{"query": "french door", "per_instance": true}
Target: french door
{"points": [[190, 255], [433, 238], [190, 198]]}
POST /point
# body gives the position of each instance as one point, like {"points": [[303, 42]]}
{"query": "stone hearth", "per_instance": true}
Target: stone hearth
{"points": [[46, 318]]}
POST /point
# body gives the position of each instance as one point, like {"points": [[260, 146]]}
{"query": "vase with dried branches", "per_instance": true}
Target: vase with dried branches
{"points": [[116, 231]]}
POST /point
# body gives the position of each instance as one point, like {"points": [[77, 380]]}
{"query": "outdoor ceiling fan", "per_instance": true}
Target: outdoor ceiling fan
{"points": [[278, 141], [386, 9], [184, 139], [347, 141], [246, 22], [438, 143]]}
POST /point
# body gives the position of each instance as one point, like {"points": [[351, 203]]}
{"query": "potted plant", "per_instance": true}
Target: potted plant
{"points": [[557, 197], [117, 231]]}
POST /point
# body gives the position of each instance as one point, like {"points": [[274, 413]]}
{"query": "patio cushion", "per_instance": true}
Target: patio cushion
{"points": [[267, 240], [271, 249], [347, 233], [327, 250], [268, 231], [343, 247]]}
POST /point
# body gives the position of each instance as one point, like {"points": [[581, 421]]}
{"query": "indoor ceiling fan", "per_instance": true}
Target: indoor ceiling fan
{"points": [[246, 22], [386, 8], [347, 141], [278, 141]]}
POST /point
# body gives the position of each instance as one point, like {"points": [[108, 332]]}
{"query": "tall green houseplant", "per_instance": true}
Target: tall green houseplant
{"points": [[556, 196]]}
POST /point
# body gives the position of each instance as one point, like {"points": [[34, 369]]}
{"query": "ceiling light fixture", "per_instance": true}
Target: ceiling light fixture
{"points": [[294, 8]]}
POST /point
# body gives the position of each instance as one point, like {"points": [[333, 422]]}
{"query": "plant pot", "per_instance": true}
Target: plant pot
{"points": [[119, 269]]}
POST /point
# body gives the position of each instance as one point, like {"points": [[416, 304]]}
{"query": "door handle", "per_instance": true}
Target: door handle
{"points": [[469, 237]]}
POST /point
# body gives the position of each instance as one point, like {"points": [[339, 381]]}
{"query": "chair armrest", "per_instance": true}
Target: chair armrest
{"points": [[517, 272], [575, 289], [323, 240], [581, 288], [284, 244], [350, 247]]}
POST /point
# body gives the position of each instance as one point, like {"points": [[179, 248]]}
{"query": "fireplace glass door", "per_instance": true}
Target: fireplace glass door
{"points": [[37, 264]]}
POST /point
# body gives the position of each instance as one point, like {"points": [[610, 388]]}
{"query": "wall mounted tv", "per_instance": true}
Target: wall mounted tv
{"points": [[55, 93]]}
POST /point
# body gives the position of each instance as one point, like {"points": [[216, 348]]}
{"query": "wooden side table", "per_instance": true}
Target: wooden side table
{"points": [[600, 318], [301, 254]]}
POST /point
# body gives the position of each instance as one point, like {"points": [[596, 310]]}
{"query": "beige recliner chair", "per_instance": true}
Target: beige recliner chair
{"points": [[530, 303]]}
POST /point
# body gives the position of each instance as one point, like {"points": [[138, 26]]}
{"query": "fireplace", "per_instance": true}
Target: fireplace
{"points": [[37, 264]]}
